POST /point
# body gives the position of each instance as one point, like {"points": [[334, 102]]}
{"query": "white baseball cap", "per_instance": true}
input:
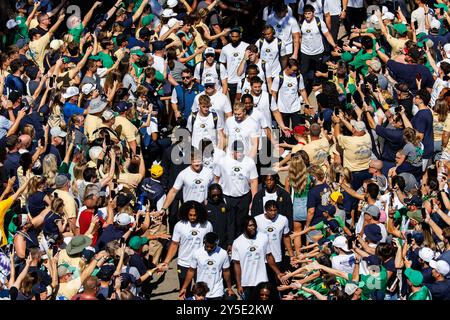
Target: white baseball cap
{"points": [[107, 115], [440, 266], [70, 92], [373, 19], [388, 16], [209, 79], [11, 24], [210, 50], [57, 132], [172, 3], [94, 153], [56, 44], [87, 88], [426, 254], [173, 21], [168, 13], [123, 219], [447, 50], [341, 243], [435, 24], [358, 125]]}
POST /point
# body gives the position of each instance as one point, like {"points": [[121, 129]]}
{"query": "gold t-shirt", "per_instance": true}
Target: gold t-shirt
{"points": [[357, 151], [91, 123], [317, 151], [129, 131], [70, 205]]}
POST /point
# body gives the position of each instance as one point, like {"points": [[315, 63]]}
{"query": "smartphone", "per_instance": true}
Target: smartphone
{"points": [[107, 139], [418, 77], [336, 111], [51, 81], [138, 150], [350, 243], [395, 6], [12, 173], [330, 74], [338, 177], [348, 97], [42, 141], [321, 116], [373, 12], [441, 11], [416, 25]]}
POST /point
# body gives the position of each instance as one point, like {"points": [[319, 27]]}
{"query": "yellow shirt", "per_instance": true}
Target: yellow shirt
{"points": [[129, 131], [130, 179], [69, 289], [317, 151], [37, 50], [70, 205], [357, 151], [77, 262], [438, 126], [4, 206], [91, 123]]}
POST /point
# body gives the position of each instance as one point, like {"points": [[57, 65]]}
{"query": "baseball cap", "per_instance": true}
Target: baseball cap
{"points": [[440, 266], [97, 105], [447, 50], [441, 6], [168, 13], [158, 45], [22, 43], [373, 211], [70, 92], [426, 254], [414, 276], [148, 19], [414, 201], [350, 288], [106, 272], [435, 24], [11, 23], [341, 243], [172, 3], [373, 260], [238, 146], [123, 219], [210, 51], [374, 64], [299, 130], [388, 16], [236, 29], [156, 171], [172, 22], [20, 4], [123, 106], [347, 56], [87, 88], [330, 209], [209, 80], [336, 196], [358, 125], [91, 190], [139, 53], [137, 242], [373, 233], [38, 288], [400, 28], [94, 152], [56, 44], [61, 180], [57, 132], [416, 215], [107, 115], [64, 269]]}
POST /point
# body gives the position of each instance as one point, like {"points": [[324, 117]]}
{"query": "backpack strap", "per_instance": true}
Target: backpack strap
{"points": [[218, 71], [193, 118], [202, 68], [260, 44], [215, 119]]}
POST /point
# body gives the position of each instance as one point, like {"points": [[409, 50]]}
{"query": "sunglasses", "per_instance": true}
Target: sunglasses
{"points": [[209, 85], [185, 78], [209, 55]]}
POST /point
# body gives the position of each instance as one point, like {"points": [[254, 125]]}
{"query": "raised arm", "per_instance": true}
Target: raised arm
{"points": [[57, 24], [139, 11], [89, 15]]}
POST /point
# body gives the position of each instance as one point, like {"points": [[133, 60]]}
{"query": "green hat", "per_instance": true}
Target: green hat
{"points": [[148, 19], [441, 5], [371, 30], [421, 35], [137, 52], [414, 276], [347, 56], [400, 28], [136, 242], [416, 215]]}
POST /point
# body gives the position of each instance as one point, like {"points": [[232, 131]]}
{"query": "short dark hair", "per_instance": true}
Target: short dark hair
{"points": [[424, 95], [308, 8], [373, 190], [211, 238], [271, 204], [200, 289], [189, 71], [89, 173], [15, 65], [246, 96], [257, 79]]}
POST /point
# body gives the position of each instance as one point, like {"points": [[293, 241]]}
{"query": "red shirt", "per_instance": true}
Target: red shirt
{"points": [[85, 220]]}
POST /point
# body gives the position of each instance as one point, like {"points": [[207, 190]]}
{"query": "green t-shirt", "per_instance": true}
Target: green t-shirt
{"points": [[76, 32], [372, 284], [361, 57], [107, 60], [422, 294], [22, 32]]}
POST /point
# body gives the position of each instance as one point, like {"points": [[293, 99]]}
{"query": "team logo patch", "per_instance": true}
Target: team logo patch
{"points": [[236, 169], [289, 85], [270, 229], [247, 91], [237, 129], [252, 249], [202, 125], [235, 54], [267, 50], [197, 181], [194, 232], [223, 210], [210, 262], [308, 31]]}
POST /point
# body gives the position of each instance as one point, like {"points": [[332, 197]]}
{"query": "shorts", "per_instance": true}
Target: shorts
{"points": [[299, 208]]}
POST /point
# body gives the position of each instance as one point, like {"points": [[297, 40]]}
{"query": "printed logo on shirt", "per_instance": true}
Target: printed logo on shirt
{"points": [[246, 90], [236, 169], [210, 262], [267, 50], [194, 232], [202, 126], [237, 129], [289, 85], [308, 30], [252, 249], [235, 54], [198, 181]]}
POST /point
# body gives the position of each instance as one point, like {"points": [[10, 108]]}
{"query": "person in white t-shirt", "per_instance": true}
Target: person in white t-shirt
{"points": [[356, 14], [242, 128], [288, 90], [220, 103], [210, 68], [334, 11], [345, 258], [286, 29], [205, 124], [271, 48], [312, 47], [258, 116], [212, 266], [251, 72], [231, 56], [194, 180], [187, 237], [419, 16], [249, 253], [276, 227], [238, 177], [318, 7]]}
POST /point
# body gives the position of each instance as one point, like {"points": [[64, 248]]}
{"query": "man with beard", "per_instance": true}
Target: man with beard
{"points": [[220, 216], [231, 56]]}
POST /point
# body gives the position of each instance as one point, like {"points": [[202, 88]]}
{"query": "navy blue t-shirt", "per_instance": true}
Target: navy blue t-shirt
{"points": [[110, 233], [137, 262], [406, 73], [393, 142], [423, 122], [440, 290], [427, 275], [315, 200]]}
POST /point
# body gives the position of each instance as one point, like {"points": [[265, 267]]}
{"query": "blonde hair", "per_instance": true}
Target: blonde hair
{"points": [[35, 183], [317, 172], [297, 174], [49, 169]]}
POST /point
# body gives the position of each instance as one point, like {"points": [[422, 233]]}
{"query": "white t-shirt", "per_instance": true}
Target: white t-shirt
{"points": [[267, 14], [333, 7], [209, 269], [317, 4], [159, 63], [195, 185], [244, 131], [220, 104], [211, 72], [251, 254], [190, 238], [153, 126], [270, 54], [275, 230], [232, 57], [284, 28], [289, 98], [343, 262], [211, 161], [204, 128], [312, 42], [439, 84], [419, 16], [262, 103], [235, 175], [269, 196]]}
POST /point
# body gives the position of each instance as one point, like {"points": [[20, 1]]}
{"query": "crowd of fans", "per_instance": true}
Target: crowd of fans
{"points": [[294, 150]]}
